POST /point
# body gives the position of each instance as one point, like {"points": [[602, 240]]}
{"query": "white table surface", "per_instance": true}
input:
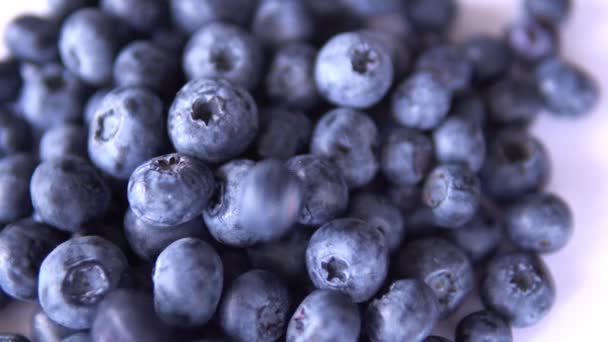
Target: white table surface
{"points": [[579, 151]]}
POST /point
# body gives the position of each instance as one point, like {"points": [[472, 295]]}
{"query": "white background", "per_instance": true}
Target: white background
{"points": [[579, 150]]}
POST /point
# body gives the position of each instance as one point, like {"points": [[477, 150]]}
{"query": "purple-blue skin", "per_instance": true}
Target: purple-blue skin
{"points": [[276, 22], [460, 139], [32, 39], [213, 120], [483, 326], [93, 103], [68, 139], [147, 240], [450, 65], [421, 101], [128, 315], [67, 192], [325, 190], [76, 276], [226, 51], [519, 287], [516, 164], [283, 133], [443, 266], [354, 69], [514, 101], [452, 191], [128, 129], [400, 54], [567, 89], [380, 213], [271, 200], [431, 15], [142, 15], [62, 8], [45, 330], [170, 39], [23, 246], [290, 77], [89, 42], [406, 156], [14, 132], [349, 256], [490, 57], [188, 279], [255, 308], [539, 222], [191, 15], [532, 41], [170, 190], [10, 80], [349, 139], [15, 174], [407, 312], [50, 96], [549, 11], [404, 197], [325, 316]]}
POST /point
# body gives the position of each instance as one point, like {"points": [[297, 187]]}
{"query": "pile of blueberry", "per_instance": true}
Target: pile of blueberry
{"points": [[264, 170]]}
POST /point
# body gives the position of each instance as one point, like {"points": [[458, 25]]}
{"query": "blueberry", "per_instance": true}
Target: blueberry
{"points": [[400, 54], [23, 246], [32, 39], [93, 103], [142, 15], [407, 312], [13, 338], [519, 287], [170, 190], [255, 308], [45, 330], [143, 64], [483, 326], [490, 56], [89, 42], [379, 212], [531, 41], [128, 129], [325, 316], [434, 15], [350, 256], [436, 339], [68, 139], [67, 192], [129, 316], [15, 135], [567, 89], [10, 80], [354, 69], [443, 266], [514, 101], [170, 39], [271, 200], [191, 15], [517, 163], [449, 64], [15, 173], [51, 96], [369, 8], [421, 101], [276, 22], [188, 278], [452, 191], [460, 139], [549, 11], [212, 120], [406, 156], [76, 276], [226, 51], [283, 133], [78, 337], [290, 77], [62, 8], [325, 190], [539, 222], [148, 240]]}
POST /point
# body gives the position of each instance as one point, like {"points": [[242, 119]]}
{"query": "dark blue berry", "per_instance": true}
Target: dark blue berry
{"points": [[325, 316], [404, 197], [354, 69], [406, 156], [15, 174], [142, 15], [46, 330], [255, 308], [93, 103], [490, 56], [15, 135], [443, 266], [449, 64], [531, 41], [76, 276], [188, 278], [433, 15], [283, 133], [400, 54], [483, 326], [32, 39], [191, 15], [68, 139], [212, 119], [325, 190], [514, 101], [226, 51], [350, 256], [519, 287], [460, 139], [408, 311], [349, 139], [170, 39], [170, 190], [276, 22], [67, 192], [10, 80], [549, 11]]}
